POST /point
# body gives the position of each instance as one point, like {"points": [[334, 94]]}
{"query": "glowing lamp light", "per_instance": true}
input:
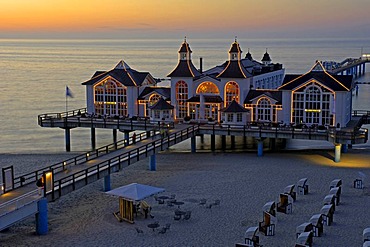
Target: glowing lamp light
{"points": [[48, 175], [312, 110]]}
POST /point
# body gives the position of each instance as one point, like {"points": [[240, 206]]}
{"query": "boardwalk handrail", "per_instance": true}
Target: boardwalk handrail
{"points": [[116, 162], [78, 117], [32, 177], [60, 115], [15, 204]]}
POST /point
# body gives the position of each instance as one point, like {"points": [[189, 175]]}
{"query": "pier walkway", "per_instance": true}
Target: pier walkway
{"points": [[350, 66], [21, 197]]}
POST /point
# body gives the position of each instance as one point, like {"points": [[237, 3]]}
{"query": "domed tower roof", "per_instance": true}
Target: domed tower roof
{"points": [[185, 47], [248, 56], [185, 67], [266, 57]]}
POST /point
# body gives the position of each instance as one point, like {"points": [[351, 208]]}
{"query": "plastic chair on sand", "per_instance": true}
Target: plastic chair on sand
{"points": [[138, 230]]}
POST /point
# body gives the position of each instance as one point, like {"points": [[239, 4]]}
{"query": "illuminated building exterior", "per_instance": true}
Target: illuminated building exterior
{"points": [[235, 92], [202, 95]]}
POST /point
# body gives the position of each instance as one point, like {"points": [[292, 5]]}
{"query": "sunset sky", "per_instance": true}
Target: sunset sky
{"points": [[171, 18]]}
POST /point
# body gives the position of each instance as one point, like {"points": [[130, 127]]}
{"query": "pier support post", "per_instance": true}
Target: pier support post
{"points": [[93, 139], [152, 163], [223, 142], [344, 148], [202, 138], [67, 134], [260, 148], [107, 184], [193, 143], [232, 142], [115, 138], [148, 134], [213, 142], [363, 68], [126, 136], [42, 217], [337, 152]]}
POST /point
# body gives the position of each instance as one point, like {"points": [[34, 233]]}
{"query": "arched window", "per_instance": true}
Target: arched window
{"points": [[153, 99], [263, 110], [207, 87], [231, 92], [312, 105], [110, 98], [181, 97]]}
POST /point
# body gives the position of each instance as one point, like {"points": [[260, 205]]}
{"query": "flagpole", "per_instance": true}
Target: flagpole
{"points": [[66, 99]]}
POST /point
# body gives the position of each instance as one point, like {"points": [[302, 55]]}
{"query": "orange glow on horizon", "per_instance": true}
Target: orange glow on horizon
{"points": [[180, 15]]}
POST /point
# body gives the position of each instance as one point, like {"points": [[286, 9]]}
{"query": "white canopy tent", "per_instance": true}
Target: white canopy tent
{"points": [[135, 191], [128, 194]]}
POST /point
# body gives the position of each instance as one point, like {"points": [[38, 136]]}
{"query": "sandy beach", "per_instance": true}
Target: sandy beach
{"points": [[242, 181]]}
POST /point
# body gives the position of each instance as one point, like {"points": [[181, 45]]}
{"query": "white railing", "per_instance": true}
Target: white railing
{"points": [[19, 202]]}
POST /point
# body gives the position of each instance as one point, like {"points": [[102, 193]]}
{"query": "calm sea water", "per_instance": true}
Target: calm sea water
{"points": [[34, 74]]}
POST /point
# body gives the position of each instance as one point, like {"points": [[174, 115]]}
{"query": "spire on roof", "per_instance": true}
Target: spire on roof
{"points": [[248, 55], [122, 65], [266, 58]]}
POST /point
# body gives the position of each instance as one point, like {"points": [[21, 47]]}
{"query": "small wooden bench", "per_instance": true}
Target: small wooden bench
{"points": [[330, 199], [336, 191], [251, 238], [266, 226], [317, 225], [358, 183], [366, 234], [305, 227], [270, 207], [302, 186], [284, 206], [304, 239], [336, 183], [290, 191], [327, 213]]}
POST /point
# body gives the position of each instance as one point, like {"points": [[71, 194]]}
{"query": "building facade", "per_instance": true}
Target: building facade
{"points": [[314, 98]]}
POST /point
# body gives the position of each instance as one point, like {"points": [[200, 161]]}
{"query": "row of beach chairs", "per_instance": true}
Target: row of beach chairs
{"points": [[285, 205], [315, 226]]}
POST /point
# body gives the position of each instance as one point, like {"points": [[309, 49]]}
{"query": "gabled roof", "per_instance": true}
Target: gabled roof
{"points": [[122, 73], [234, 107], [161, 105], [207, 99], [165, 92], [318, 73], [273, 94], [184, 68]]}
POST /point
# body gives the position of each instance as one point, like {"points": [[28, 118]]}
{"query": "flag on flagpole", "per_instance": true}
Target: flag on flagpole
{"points": [[69, 92]]}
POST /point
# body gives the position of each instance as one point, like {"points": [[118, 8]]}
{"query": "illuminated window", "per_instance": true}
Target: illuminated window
{"points": [[264, 110], [312, 104], [231, 92], [110, 98], [152, 100], [181, 97], [208, 88]]}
